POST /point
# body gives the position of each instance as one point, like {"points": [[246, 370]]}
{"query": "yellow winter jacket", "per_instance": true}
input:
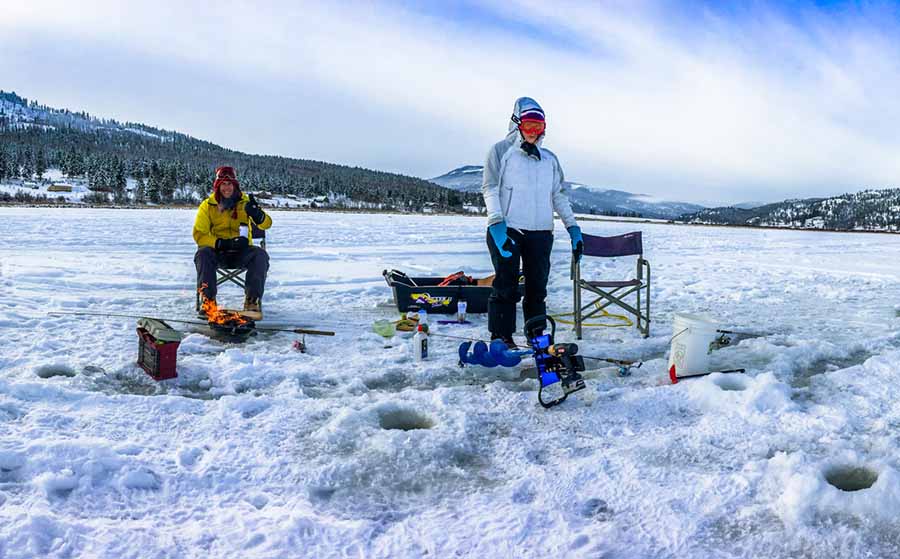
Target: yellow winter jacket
{"points": [[211, 224]]}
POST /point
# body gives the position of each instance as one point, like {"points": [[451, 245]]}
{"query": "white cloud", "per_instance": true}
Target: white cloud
{"points": [[753, 104]]}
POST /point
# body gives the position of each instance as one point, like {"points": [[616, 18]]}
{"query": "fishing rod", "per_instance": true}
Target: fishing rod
{"points": [[195, 322], [617, 362], [675, 378], [463, 338]]}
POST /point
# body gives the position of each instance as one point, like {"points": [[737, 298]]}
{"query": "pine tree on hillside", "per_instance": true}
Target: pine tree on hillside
{"points": [[72, 163], [99, 174], [40, 163], [170, 183], [140, 191], [26, 164], [79, 146], [155, 183], [119, 182]]}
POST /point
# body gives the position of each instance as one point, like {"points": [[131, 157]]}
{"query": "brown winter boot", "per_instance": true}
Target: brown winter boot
{"points": [[252, 306]]}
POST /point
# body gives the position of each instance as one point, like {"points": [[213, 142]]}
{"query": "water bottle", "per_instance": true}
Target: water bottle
{"points": [[423, 316], [420, 344], [244, 230], [461, 310]]}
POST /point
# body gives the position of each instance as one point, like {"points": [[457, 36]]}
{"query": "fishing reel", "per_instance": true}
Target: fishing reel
{"points": [[722, 340], [555, 363]]}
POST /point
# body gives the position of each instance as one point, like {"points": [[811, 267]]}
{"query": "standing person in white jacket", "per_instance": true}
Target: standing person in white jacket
{"points": [[523, 185]]}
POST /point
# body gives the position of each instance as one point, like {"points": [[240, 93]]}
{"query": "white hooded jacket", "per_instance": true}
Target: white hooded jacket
{"points": [[521, 189]]}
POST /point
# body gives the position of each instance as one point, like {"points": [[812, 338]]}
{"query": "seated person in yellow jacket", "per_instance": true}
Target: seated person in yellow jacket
{"points": [[217, 231]]}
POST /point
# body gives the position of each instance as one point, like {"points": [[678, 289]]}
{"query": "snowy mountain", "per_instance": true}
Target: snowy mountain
{"points": [[869, 210], [17, 113], [465, 179], [750, 205], [588, 199], [585, 199]]}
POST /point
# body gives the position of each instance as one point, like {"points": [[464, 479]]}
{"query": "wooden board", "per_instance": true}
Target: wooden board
{"points": [[485, 282], [249, 315]]}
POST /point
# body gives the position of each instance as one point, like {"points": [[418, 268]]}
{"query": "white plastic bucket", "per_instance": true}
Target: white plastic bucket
{"points": [[691, 336]]}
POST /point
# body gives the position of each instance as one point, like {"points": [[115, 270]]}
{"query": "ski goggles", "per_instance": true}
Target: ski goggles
{"points": [[225, 173], [532, 127]]}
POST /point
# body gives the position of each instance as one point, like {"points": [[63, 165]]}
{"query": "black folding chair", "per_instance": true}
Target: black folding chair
{"points": [[614, 292], [236, 275]]}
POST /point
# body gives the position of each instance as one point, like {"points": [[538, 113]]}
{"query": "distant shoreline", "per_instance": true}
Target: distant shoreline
{"points": [[194, 207], [581, 217]]}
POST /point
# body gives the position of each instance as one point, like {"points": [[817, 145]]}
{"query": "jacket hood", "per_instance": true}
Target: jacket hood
{"points": [[521, 105]]}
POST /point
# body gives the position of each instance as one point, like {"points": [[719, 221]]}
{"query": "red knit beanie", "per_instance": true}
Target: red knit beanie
{"points": [[226, 174]]}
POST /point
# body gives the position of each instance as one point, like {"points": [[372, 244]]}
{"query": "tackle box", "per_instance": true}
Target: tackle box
{"points": [[157, 348], [413, 293]]}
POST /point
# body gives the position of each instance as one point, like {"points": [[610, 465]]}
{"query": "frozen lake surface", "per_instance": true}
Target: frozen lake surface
{"points": [[353, 450]]}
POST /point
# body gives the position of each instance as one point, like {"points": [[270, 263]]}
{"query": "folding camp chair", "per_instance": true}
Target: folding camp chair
{"points": [[237, 275], [613, 292]]}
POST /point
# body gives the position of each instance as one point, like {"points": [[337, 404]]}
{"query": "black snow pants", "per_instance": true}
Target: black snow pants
{"points": [[532, 248], [254, 259]]}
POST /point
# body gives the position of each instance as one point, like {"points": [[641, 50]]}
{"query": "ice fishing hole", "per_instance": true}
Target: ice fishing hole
{"points": [[851, 478], [735, 383], [55, 370], [404, 420]]}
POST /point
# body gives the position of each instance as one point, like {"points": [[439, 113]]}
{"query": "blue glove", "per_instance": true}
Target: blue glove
{"points": [[577, 242], [498, 233]]}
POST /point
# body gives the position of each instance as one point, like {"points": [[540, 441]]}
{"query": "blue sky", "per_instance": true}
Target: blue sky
{"points": [[716, 102]]}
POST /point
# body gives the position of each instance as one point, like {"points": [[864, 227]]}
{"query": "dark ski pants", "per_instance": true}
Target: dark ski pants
{"points": [[254, 259], [532, 248]]}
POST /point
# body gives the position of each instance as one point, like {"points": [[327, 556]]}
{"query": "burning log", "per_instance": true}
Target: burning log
{"points": [[224, 322], [216, 315]]}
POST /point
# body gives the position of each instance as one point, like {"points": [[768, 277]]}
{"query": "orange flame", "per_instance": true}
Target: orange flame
{"points": [[219, 316]]}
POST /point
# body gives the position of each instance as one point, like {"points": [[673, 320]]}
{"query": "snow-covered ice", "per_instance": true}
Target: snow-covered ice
{"points": [[353, 450]]}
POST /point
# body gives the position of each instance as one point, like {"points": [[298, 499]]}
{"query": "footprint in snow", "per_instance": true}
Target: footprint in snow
{"points": [[140, 478], [580, 541], [11, 464], [258, 501], [10, 412], [251, 407], [188, 456], [58, 485], [524, 494], [595, 508], [254, 541], [537, 457]]}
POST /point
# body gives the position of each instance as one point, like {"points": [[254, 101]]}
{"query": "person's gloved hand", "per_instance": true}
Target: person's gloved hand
{"points": [[240, 243], [224, 244], [577, 242], [253, 210], [498, 233], [237, 243]]}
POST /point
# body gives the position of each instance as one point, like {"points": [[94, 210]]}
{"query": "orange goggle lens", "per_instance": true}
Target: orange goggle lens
{"points": [[532, 127]]}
